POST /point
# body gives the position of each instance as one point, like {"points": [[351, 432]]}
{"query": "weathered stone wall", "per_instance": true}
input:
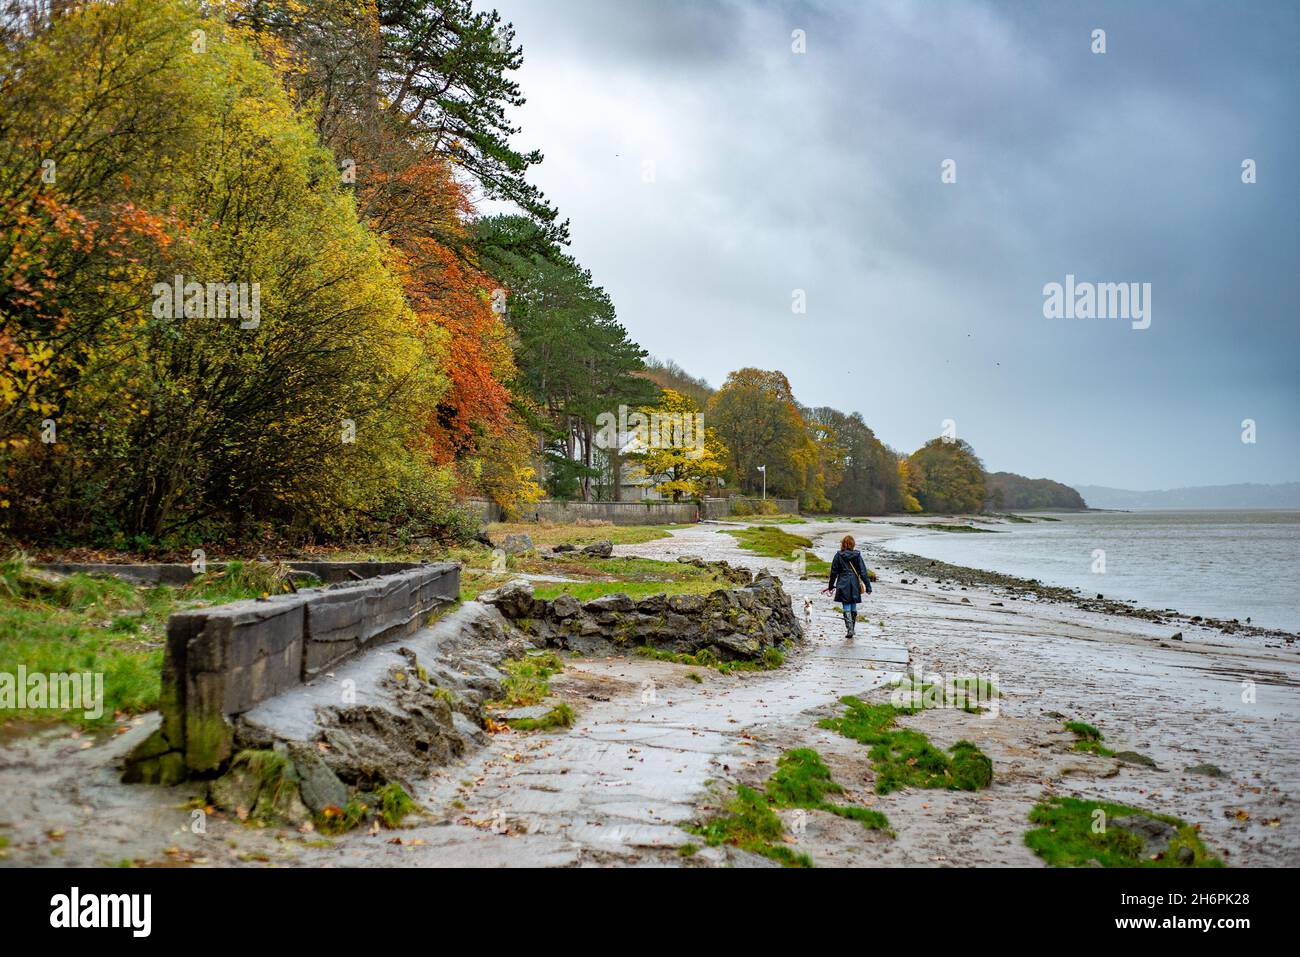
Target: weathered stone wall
{"points": [[223, 661], [177, 573], [632, 513], [617, 513], [733, 623], [712, 509]]}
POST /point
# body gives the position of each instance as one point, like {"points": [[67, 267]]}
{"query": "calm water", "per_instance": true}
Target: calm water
{"points": [[1234, 564]]}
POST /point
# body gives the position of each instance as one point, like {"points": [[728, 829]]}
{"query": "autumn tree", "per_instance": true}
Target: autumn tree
{"points": [[675, 449], [952, 476], [303, 415], [867, 479], [576, 360], [758, 420]]}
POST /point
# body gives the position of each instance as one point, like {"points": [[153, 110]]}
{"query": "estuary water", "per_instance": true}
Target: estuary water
{"points": [[1222, 564]]}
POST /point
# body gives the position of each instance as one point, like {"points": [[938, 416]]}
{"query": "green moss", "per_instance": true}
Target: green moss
{"points": [[769, 541], [749, 823], [209, 740], [527, 679], [963, 691], [560, 716], [801, 780], [688, 850], [1089, 739], [394, 804], [704, 658], [338, 820], [1083, 731], [904, 757], [1072, 834]]}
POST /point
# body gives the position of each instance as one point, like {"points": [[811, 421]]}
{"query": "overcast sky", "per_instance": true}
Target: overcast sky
{"points": [[775, 171]]}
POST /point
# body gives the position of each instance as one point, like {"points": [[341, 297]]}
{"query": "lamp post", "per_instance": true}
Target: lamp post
{"points": [[763, 469]]}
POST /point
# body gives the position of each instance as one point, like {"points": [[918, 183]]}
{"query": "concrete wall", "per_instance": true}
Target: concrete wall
{"points": [[223, 660]]}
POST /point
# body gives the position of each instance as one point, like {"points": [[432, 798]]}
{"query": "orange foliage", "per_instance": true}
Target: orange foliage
{"points": [[426, 207]]}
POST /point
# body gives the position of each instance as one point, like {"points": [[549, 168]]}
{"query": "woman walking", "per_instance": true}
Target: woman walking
{"points": [[849, 580]]}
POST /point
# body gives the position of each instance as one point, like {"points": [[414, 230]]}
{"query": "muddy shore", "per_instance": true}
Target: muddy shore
{"points": [[614, 788]]}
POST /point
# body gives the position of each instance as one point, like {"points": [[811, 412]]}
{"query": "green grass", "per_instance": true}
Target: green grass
{"points": [[560, 716], [394, 804], [771, 542], [83, 623], [904, 757], [635, 577], [1066, 837], [585, 591], [527, 679], [544, 533], [1089, 739], [749, 823], [772, 658], [964, 691], [783, 518], [801, 780], [768, 541]]}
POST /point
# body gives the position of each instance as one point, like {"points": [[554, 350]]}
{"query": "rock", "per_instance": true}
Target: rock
{"points": [[1155, 834], [1186, 856], [653, 605], [618, 602], [601, 549], [517, 544], [733, 623], [564, 547], [1133, 757], [1209, 770], [1176, 636], [318, 786], [514, 599], [565, 606], [686, 604]]}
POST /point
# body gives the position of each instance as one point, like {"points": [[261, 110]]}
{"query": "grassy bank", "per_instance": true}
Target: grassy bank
{"points": [[546, 533], [772, 542], [55, 624]]}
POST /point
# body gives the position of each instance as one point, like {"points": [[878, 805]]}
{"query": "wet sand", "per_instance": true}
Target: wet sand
{"points": [[643, 758]]}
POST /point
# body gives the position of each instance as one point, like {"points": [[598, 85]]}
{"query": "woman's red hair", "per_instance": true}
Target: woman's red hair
{"points": [[847, 543]]}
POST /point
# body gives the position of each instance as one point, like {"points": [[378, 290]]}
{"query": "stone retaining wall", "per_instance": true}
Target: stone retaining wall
{"points": [[177, 573], [224, 660], [731, 623], [633, 513]]}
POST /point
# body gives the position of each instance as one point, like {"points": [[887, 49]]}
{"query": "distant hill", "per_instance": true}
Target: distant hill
{"points": [[1007, 490], [1248, 495]]}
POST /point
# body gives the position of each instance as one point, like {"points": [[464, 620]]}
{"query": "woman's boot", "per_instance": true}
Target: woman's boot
{"points": [[849, 620]]}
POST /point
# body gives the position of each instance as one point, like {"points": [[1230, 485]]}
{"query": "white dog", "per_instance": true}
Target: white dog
{"points": [[807, 611]]}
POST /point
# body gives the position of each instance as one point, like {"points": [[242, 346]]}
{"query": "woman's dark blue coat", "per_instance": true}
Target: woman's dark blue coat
{"points": [[845, 583]]}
